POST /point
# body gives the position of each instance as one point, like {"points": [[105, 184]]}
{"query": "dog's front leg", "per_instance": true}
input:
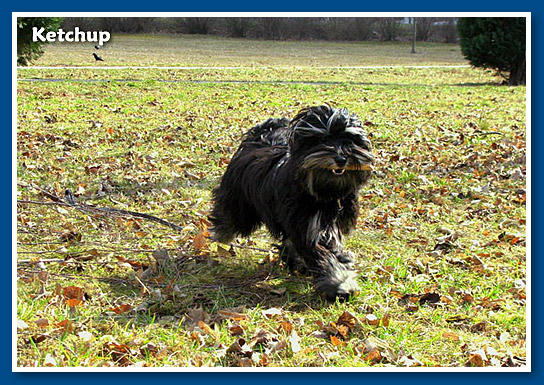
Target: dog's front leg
{"points": [[330, 266]]}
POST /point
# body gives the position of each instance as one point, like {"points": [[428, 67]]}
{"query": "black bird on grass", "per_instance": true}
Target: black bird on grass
{"points": [[97, 46], [96, 57]]}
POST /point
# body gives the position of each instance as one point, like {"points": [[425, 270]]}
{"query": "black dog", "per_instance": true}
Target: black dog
{"points": [[301, 178]]}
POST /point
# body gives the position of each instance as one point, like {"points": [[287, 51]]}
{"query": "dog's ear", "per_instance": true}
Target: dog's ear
{"points": [[325, 120]]}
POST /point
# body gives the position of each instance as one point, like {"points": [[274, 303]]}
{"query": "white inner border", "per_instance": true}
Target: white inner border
{"points": [[15, 368]]}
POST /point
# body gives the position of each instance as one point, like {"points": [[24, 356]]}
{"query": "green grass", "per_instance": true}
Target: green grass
{"points": [[194, 50], [450, 145]]}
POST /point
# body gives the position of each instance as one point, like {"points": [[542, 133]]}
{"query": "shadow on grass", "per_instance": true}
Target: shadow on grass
{"points": [[213, 283]]}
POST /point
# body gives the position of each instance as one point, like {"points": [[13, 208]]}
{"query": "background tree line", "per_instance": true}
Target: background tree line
{"points": [[431, 29], [498, 43]]}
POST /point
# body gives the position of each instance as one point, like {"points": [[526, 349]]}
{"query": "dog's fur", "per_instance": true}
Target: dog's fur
{"points": [[301, 178]]}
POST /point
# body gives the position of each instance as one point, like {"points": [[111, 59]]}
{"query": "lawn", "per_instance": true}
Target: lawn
{"points": [[195, 50], [441, 239]]}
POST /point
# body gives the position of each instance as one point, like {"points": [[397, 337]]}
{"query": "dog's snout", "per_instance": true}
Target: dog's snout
{"points": [[340, 160]]}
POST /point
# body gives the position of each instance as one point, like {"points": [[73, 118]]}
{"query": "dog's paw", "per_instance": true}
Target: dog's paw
{"points": [[347, 288], [342, 284]]}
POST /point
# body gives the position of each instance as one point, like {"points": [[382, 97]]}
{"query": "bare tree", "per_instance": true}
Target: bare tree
{"points": [[389, 27]]}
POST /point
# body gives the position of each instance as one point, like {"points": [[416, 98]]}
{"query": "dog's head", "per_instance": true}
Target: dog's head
{"points": [[332, 149]]}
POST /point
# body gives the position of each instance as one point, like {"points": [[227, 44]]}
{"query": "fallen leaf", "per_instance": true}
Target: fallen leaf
{"points": [[374, 356], [385, 320], [476, 359], [294, 341], [74, 302], [286, 326], [337, 341], [206, 328], [125, 308], [73, 292], [451, 336], [85, 336], [194, 316], [348, 320], [67, 326], [430, 298], [21, 325], [236, 330], [233, 314], [50, 360], [478, 327], [119, 352], [200, 241], [272, 312], [241, 347], [409, 361], [371, 319], [42, 322]]}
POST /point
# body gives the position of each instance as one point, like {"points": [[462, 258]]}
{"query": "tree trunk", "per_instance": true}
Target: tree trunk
{"points": [[518, 74]]}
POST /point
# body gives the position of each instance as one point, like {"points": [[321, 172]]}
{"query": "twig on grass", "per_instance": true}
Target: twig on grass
{"points": [[69, 200]]}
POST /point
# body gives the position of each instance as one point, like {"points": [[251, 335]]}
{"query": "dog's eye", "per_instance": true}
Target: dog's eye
{"points": [[360, 141]]}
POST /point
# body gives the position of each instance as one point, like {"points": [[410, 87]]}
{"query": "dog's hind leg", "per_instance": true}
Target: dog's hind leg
{"points": [[231, 217]]}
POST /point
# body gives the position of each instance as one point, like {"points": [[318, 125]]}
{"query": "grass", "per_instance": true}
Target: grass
{"points": [[195, 50], [443, 216]]}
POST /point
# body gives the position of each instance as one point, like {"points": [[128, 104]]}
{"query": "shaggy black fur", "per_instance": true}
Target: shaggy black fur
{"points": [[301, 178]]}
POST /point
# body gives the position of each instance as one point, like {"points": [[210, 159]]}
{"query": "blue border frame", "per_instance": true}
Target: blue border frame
{"points": [[280, 6]]}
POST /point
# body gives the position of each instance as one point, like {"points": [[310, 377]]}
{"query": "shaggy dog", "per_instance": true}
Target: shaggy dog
{"points": [[301, 178]]}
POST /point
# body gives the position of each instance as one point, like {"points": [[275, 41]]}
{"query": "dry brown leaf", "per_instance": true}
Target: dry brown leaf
{"points": [[374, 356], [385, 320], [451, 336], [239, 346], [236, 330], [343, 330], [193, 316], [42, 322], [337, 341], [371, 319], [348, 320], [200, 241], [286, 326], [233, 314], [74, 303], [475, 359], [67, 326], [206, 328], [125, 308], [73, 292]]}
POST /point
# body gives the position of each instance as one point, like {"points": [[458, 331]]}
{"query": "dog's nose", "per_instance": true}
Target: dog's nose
{"points": [[340, 160]]}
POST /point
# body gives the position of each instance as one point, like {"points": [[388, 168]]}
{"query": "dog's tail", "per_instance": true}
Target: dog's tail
{"points": [[273, 132]]}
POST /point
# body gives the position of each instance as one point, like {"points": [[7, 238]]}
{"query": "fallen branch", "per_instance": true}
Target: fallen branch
{"points": [[70, 201]]}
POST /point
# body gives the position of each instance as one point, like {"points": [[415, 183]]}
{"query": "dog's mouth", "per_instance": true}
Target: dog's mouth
{"points": [[351, 167]]}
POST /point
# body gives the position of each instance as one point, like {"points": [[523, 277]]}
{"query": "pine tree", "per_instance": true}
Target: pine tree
{"points": [[497, 43]]}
